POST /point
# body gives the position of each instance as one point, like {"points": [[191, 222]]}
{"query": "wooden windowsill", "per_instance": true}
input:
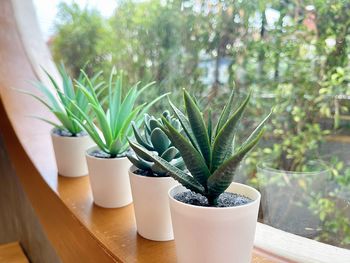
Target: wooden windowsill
{"points": [[79, 230]]}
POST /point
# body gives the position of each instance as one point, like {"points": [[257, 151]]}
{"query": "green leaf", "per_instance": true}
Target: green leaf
{"points": [[150, 104], [169, 154], [192, 158], [102, 120], [159, 141], [47, 121], [224, 139], [94, 135], [225, 114], [89, 87], [141, 154], [57, 88], [115, 100], [126, 107], [37, 98], [67, 83], [48, 94], [139, 163], [67, 122], [210, 128], [158, 170], [179, 163], [185, 125], [198, 127], [221, 179], [90, 128], [257, 131], [126, 124], [145, 87], [183, 178], [139, 138]]}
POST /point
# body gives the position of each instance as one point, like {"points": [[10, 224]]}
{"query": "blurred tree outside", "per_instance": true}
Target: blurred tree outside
{"points": [[292, 54]]}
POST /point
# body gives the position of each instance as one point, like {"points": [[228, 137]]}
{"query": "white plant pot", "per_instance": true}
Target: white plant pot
{"points": [[109, 180], [151, 205], [70, 154], [209, 234]]}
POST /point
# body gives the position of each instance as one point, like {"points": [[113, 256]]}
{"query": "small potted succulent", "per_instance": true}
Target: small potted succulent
{"points": [[69, 140], [210, 225], [150, 183], [107, 162]]}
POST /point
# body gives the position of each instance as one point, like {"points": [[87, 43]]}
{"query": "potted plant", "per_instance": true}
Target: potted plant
{"points": [[69, 140], [210, 225], [107, 162], [150, 183]]}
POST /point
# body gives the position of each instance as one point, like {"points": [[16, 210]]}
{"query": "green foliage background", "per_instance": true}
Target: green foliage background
{"points": [[292, 54]]}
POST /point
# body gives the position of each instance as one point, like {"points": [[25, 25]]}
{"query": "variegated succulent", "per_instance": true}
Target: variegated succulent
{"points": [[210, 154], [154, 139]]}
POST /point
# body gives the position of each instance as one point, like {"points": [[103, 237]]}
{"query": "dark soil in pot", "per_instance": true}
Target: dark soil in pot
{"points": [[65, 133], [103, 155], [225, 199]]}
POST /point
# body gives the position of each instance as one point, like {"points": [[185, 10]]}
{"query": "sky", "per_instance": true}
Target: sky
{"points": [[46, 11]]}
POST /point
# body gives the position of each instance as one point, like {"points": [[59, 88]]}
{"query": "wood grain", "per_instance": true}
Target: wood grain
{"points": [[12, 253], [18, 220]]}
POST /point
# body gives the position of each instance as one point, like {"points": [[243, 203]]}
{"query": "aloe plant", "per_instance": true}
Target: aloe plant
{"points": [[112, 126], [59, 100], [210, 154], [155, 140]]}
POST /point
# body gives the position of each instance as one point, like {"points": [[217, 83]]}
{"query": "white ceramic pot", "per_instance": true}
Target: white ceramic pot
{"points": [[70, 154], [209, 234], [151, 205], [109, 180]]}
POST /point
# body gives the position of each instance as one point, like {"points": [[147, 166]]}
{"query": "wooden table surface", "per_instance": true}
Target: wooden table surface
{"points": [[78, 230], [12, 253]]}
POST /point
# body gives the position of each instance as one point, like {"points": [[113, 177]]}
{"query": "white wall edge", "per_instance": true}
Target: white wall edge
{"points": [[32, 39]]}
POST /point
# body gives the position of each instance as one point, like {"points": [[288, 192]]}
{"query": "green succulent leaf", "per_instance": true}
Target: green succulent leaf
{"points": [[224, 139], [197, 124], [48, 121], [158, 170], [185, 179], [170, 154], [179, 163], [225, 114], [153, 124], [192, 158], [112, 126], [159, 141], [103, 122], [139, 138], [223, 176], [139, 163], [210, 126], [59, 99], [221, 179], [185, 125]]}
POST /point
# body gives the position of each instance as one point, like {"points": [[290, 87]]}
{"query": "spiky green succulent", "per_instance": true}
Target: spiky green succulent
{"points": [[109, 127], [58, 99], [154, 139], [211, 155]]}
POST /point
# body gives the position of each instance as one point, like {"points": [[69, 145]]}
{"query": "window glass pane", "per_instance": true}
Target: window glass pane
{"points": [[293, 55]]}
